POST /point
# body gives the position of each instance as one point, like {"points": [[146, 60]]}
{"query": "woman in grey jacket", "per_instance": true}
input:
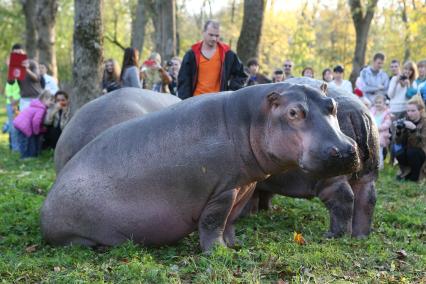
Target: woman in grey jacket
{"points": [[130, 70]]}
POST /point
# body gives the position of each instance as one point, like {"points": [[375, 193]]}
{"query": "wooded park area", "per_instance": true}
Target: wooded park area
{"points": [[318, 34]]}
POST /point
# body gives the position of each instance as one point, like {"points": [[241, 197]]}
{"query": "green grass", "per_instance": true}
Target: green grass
{"points": [[267, 253]]}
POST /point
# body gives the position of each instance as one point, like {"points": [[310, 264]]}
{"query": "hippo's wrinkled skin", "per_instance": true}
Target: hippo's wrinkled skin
{"points": [[350, 199], [104, 112], [155, 179]]}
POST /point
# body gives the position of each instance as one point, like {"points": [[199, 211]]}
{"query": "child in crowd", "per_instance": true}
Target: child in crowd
{"points": [[29, 125], [12, 93], [383, 120], [57, 117]]}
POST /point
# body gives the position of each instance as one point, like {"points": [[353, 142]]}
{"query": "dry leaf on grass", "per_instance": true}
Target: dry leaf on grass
{"points": [[31, 248], [298, 238]]}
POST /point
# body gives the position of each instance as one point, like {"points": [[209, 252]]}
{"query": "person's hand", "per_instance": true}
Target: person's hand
{"points": [[26, 64], [409, 125]]}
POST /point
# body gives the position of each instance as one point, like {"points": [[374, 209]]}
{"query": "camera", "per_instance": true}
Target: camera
{"points": [[169, 63], [403, 77], [399, 124]]}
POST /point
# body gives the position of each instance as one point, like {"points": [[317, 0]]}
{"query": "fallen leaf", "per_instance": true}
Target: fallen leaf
{"points": [[401, 254], [125, 260], [56, 269], [31, 248], [298, 238]]}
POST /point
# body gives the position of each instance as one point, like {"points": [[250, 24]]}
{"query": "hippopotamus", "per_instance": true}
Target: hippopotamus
{"points": [[350, 199], [102, 113], [157, 178]]}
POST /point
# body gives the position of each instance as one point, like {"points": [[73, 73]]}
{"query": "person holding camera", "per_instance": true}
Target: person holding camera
{"points": [[411, 134], [398, 88], [173, 70]]}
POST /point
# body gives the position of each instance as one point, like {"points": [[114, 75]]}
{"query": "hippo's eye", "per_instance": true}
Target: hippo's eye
{"points": [[293, 113]]}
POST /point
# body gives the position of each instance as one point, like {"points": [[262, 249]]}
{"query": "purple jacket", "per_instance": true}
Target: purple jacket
{"points": [[30, 120]]}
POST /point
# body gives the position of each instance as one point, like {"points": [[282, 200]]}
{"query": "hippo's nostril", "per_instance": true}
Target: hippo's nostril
{"points": [[352, 149], [334, 152]]}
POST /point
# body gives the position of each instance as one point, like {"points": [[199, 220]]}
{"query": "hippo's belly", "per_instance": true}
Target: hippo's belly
{"points": [[107, 214]]}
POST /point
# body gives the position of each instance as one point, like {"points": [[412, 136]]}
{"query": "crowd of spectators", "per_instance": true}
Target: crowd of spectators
{"points": [[36, 105]]}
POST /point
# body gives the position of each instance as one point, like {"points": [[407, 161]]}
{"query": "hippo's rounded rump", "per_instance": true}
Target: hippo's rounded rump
{"points": [[102, 113]]}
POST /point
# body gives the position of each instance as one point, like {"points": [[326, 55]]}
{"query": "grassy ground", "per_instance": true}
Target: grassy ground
{"points": [[268, 253]]}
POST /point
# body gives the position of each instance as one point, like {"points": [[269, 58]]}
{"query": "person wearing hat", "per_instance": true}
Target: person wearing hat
{"points": [[338, 81], [154, 76]]}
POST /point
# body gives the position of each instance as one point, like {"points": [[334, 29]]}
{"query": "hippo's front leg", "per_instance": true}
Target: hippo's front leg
{"points": [[338, 197], [365, 201], [244, 195], [212, 222]]}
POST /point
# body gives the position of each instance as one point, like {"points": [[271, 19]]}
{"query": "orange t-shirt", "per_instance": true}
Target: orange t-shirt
{"points": [[208, 74]]}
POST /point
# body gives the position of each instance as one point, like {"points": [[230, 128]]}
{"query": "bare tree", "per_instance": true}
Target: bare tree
{"points": [[88, 52], [29, 9], [251, 30], [362, 23], [46, 18], [139, 20], [164, 19]]}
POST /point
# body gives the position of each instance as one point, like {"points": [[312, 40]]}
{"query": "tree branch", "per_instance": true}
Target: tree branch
{"points": [[114, 41]]}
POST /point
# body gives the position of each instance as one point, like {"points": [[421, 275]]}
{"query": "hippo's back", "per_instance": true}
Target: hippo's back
{"points": [[102, 113]]}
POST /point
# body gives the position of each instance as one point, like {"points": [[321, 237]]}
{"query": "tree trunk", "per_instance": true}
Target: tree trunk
{"points": [[251, 30], [29, 9], [362, 24], [88, 49], [139, 20], [407, 52], [164, 21], [46, 19]]}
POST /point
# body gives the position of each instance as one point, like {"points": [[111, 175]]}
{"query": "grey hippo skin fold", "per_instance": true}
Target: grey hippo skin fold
{"points": [[102, 113], [350, 199], [157, 178]]}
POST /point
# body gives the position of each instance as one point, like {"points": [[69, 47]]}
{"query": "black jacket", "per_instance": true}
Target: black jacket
{"points": [[232, 76]]}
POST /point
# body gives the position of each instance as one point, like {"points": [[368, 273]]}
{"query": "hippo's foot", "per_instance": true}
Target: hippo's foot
{"points": [[229, 236], [207, 244], [360, 237], [333, 235]]}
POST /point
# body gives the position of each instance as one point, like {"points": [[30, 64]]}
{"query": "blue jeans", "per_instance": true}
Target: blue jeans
{"points": [[13, 139], [28, 146]]}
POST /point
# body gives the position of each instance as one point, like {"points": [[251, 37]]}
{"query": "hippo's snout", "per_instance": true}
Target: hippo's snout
{"points": [[346, 152]]}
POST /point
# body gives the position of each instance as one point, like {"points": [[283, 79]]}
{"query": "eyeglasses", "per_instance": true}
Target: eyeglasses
{"points": [[287, 65]]}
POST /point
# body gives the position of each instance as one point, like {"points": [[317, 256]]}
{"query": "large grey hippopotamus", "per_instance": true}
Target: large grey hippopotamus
{"points": [[104, 112], [350, 199], [156, 178]]}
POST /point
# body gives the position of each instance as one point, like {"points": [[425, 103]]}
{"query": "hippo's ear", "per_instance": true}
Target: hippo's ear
{"points": [[273, 98], [324, 88]]}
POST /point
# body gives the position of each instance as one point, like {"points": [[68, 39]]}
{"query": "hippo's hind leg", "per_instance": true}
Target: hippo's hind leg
{"points": [[265, 200], [244, 196], [338, 197], [365, 201]]}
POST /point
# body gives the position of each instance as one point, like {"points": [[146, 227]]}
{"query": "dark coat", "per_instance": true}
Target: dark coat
{"points": [[232, 72]]}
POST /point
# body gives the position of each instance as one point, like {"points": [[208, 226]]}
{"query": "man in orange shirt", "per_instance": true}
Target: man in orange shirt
{"points": [[210, 66]]}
